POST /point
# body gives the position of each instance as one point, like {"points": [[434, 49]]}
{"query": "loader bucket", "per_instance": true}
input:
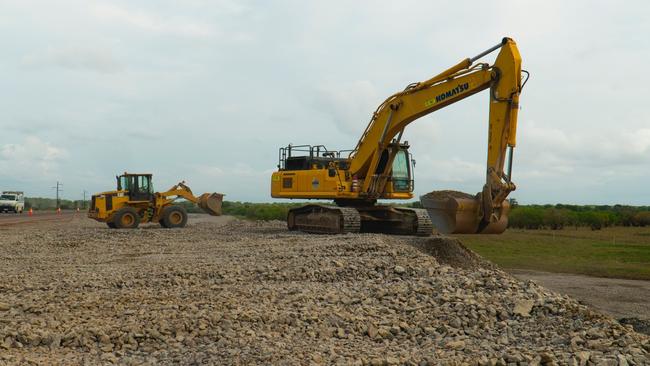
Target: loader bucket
{"points": [[211, 203], [454, 214]]}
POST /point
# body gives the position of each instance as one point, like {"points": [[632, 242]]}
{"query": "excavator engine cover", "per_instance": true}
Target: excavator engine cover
{"points": [[211, 203], [454, 212]]}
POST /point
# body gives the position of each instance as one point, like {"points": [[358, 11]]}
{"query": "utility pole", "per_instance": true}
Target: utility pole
{"points": [[83, 203], [58, 189]]}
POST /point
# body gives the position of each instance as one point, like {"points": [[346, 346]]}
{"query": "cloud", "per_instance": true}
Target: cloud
{"points": [[153, 23], [217, 82], [235, 170], [31, 159], [348, 106], [453, 170], [75, 58], [559, 152]]}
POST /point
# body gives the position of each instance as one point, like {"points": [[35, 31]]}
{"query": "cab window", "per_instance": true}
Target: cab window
{"points": [[401, 175], [144, 184]]}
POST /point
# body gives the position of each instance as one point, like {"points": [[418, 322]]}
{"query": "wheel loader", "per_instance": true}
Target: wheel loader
{"points": [[380, 167], [134, 202]]}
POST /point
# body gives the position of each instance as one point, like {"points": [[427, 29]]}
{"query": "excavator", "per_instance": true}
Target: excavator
{"points": [[134, 202], [380, 167]]}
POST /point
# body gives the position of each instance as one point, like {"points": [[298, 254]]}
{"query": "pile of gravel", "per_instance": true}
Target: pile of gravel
{"points": [[450, 251], [445, 194], [251, 292]]}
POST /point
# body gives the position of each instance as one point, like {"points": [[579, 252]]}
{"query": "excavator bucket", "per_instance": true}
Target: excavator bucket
{"points": [[454, 212], [211, 203]]}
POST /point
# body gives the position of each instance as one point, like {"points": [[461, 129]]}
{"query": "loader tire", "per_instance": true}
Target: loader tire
{"points": [[173, 216], [111, 224], [126, 218]]}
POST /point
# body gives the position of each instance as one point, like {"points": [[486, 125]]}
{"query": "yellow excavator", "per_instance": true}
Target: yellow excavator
{"points": [[380, 166], [135, 202]]}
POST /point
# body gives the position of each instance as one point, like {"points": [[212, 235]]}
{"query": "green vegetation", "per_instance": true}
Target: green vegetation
{"points": [[259, 211], [621, 252], [249, 210], [559, 216]]}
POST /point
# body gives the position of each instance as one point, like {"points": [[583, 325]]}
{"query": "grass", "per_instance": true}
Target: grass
{"points": [[620, 252]]}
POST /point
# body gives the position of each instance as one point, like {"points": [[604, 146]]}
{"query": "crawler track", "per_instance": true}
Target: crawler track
{"points": [[320, 219], [424, 225]]}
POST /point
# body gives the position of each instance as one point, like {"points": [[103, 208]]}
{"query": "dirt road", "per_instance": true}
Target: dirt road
{"points": [[11, 219], [224, 291], [616, 297]]}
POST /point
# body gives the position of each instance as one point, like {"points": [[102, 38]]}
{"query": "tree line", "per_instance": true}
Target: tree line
{"points": [[557, 217], [38, 203]]}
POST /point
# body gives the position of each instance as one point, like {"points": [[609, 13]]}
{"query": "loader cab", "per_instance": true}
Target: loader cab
{"points": [[139, 186]]}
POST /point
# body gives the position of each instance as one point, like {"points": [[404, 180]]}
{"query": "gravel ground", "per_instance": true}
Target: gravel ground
{"points": [[234, 292]]}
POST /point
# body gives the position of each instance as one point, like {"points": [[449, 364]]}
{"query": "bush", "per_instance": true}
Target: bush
{"points": [[526, 217], [642, 218], [555, 219]]}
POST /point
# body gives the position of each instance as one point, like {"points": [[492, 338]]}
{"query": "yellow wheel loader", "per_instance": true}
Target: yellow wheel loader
{"points": [[380, 166], [135, 202]]}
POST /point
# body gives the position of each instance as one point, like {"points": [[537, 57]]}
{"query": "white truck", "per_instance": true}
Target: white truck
{"points": [[12, 201]]}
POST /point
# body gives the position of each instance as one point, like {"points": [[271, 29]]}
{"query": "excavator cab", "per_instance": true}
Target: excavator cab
{"points": [[139, 186]]}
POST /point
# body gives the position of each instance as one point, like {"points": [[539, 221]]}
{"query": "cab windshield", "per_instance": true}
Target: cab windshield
{"points": [[401, 172], [8, 197]]}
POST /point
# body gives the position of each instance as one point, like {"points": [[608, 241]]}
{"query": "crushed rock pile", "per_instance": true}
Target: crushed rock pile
{"points": [[253, 293], [445, 194]]}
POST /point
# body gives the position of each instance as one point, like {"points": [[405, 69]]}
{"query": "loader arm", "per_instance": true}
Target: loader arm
{"points": [[208, 202], [387, 124], [180, 190]]}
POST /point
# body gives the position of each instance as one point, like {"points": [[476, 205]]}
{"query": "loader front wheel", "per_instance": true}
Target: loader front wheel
{"points": [[111, 224], [126, 218], [173, 216]]}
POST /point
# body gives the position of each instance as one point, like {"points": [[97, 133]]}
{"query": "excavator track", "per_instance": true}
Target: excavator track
{"points": [[424, 226], [320, 219], [395, 220]]}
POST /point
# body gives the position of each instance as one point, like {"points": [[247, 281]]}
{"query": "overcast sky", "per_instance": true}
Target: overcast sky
{"points": [[207, 91]]}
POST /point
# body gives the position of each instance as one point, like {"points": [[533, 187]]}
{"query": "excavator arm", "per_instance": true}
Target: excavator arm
{"points": [[384, 132]]}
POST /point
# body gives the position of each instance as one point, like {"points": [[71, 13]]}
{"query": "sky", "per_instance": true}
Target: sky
{"points": [[207, 91]]}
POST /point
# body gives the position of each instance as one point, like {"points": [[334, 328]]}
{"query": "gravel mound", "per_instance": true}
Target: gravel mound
{"points": [[441, 195], [450, 251], [640, 325], [242, 292]]}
